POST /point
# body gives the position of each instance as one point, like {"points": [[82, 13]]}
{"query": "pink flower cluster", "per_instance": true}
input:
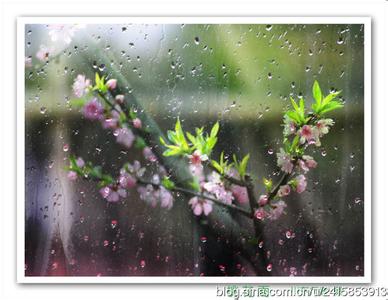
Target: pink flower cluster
{"points": [[81, 85], [312, 134], [153, 196], [299, 183], [273, 213], [72, 175], [201, 206], [216, 187]]}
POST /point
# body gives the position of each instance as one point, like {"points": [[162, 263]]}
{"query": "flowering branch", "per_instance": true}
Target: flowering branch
{"points": [[228, 181], [228, 184]]}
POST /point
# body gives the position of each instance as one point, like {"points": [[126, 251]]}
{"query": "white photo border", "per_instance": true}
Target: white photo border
{"points": [[20, 264]]}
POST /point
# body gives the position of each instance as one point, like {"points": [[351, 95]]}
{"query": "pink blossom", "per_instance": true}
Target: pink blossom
{"points": [[215, 186], [240, 193], [197, 158], [284, 190], [323, 126], [63, 32], [197, 171], [165, 197], [277, 211], [112, 194], [137, 123], [111, 84], [43, 53], [301, 183], [147, 194], [125, 137], [263, 200], [81, 85], [302, 166], [201, 206], [285, 161], [310, 162], [260, 214], [149, 155], [136, 169], [126, 180], [111, 122], [306, 163], [309, 134], [72, 175], [119, 99], [80, 162], [289, 126], [93, 110], [306, 134]]}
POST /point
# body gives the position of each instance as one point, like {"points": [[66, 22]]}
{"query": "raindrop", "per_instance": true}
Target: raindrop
{"points": [[270, 151], [323, 152], [43, 110], [269, 267], [196, 40], [268, 27], [66, 147], [203, 239], [340, 40], [142, 263], [113, 224]]}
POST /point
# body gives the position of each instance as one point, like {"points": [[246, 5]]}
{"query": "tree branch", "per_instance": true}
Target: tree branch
{"points": [[201, 195]]}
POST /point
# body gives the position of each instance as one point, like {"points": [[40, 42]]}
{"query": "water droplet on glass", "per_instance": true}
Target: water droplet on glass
{"points": [[142, 263], [270, 151], [269, 267], [43, 110], [66, 147], [323, 152], [196, 40], [203, 239], [340, 40], [268, 27], [113, 224]]}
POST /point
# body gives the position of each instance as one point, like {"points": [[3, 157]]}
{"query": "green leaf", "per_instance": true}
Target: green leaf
{"points": [[243, 165], [217, 166], [172, 151], [194, 184], [215, 129], [330, 98], [180, 136], [331, 106], [268, 184], [96, 172], [295, 143], [172, 136], [167, 183], [140, 143], [293, 115], [296, 107], [162, 141], [191, 138], [317, 93]]}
